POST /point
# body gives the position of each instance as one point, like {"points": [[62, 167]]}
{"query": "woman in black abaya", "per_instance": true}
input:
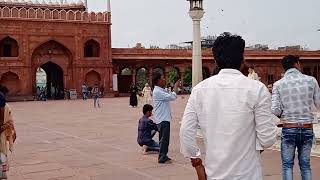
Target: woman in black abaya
{"points": [[133, 96]]}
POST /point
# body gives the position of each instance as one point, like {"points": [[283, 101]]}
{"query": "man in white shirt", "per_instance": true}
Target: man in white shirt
{"points": [[234, 114], [252, 74]]}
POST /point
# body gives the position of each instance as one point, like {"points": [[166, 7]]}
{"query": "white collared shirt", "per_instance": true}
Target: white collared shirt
{"points": [[234, 113]]}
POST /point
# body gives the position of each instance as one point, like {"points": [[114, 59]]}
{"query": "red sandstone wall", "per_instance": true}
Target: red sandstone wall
{"points": [[72, 35]]}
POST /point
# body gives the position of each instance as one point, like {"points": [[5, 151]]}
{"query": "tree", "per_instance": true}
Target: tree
{"points": [[142, 78], [173, 76], [187, 79]]}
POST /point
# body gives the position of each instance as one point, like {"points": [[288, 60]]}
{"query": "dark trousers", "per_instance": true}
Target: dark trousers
{"points": [[152, 146], [164, 138]]}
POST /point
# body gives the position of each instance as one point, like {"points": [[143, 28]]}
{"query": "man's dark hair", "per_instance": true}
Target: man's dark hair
{"points": [[147, 108], [156, 78], [3, 89], [228, 51], [289, 61]]}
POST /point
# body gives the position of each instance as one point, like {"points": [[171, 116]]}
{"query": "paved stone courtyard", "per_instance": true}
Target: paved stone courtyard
{"points": [[70, 140]]}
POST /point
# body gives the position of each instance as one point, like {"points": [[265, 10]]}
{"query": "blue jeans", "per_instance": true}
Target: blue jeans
{"points": [[84, 96], [300, 138], [96, 101], [153, 146]]}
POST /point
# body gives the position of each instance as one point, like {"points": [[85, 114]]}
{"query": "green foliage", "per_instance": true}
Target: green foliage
{"points": [[126, 72], [142, 78], [187, 79], [173, 76]]}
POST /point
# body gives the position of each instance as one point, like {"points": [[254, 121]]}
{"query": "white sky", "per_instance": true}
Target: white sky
{"points": [[162, 22]]}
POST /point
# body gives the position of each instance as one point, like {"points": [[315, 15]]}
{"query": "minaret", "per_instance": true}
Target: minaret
{"points": [[86, 4], [108, 6]]}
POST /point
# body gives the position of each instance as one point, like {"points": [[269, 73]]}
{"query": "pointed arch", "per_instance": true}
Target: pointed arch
{"points": [[100, 17], [51, 48], [93, 17], [142, 76], [23, 13], [55, 14], [63, 15], [39, 13], [31, 13], [47, 14], [9, 47], [12, 81], [70, 15], [91, 48], [6, 12], [93, 78], [14, 12], [85, 16], [78, 16]]}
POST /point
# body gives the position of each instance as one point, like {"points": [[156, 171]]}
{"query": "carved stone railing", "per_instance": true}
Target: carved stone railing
{"points": [[53, 15]]}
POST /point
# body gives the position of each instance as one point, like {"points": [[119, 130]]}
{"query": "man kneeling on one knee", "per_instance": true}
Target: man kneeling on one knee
{"points": [[146, 130]]}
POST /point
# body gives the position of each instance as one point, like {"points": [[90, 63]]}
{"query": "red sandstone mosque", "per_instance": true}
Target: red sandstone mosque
{"points": [[74, 46]]}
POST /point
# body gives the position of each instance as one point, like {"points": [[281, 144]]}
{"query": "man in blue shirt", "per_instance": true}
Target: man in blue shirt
{"points": [[146, 130], [162, 113]]}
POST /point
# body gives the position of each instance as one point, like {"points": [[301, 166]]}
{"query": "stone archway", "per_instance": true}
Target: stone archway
{"points": [[142, 77], [12, 82], [9, 47], [125, 80], [55, 85], [93, 78], [56, 60]]}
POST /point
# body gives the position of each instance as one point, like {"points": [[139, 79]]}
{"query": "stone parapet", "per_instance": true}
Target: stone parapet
{"points": [[43, 4], [39, 14]]}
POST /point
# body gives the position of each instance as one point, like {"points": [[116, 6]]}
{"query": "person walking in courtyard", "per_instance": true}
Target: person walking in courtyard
{"points": [[146, 131], [293, 98], [7, 135], [234, 114], [84, 89], [96, 94], [162, 114], [53, 92], [133, 96], [147, 94], [252, 74]]}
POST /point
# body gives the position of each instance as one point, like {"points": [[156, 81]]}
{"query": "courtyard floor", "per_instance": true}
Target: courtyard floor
{"points": [[71, 140]]}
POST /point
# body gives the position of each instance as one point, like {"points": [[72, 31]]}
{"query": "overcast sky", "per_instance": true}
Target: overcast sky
{"points": [[163, 22]]}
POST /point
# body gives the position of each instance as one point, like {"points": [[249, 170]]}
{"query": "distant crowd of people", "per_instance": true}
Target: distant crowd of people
{"points": [[56, 92]]}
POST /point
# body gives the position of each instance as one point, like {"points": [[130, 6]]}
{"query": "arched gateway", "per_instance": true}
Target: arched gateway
{"points": [[55, 59]]}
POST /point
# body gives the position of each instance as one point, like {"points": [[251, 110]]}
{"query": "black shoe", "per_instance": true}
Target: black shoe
{"points": [[166, 161]]}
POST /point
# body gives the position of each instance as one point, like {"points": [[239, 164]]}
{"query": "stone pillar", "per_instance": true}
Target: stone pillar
{"points": [[134, 74], [181, 76], [108, 6], [196, 16], [150, 73], [86, 4], [166, 73]]}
